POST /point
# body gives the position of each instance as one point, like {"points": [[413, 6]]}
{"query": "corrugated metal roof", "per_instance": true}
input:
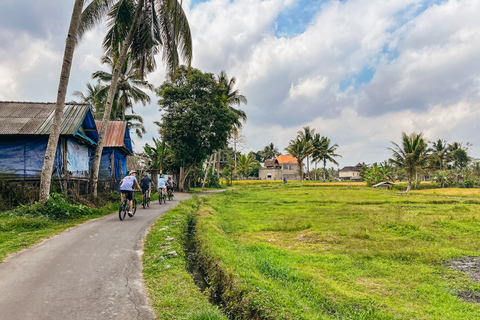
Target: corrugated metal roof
{"points": [[37, 118], [117, 135]]}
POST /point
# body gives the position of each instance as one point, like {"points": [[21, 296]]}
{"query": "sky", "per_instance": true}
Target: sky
{"points": [[358, 71]]}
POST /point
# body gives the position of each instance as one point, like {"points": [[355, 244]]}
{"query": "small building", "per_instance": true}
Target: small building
{"points": [[116, 148], [284, 166], [24, 133], [350, 173]]}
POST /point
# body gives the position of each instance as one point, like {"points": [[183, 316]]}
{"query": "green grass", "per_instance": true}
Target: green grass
{"points": [[28, 225], [293, 252], [171, 289]]}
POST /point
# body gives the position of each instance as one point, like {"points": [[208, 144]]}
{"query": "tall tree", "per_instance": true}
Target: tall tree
{"points": [[307, 134], [246, 164], [324, 151], [195, 123], [129, 86], [410, 154], [46, 176], [142, 26], [94, 97], [440, 154], [300, 149]]}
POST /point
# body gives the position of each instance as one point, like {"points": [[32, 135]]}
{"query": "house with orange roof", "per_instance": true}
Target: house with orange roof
{"points": [[284, 166]]}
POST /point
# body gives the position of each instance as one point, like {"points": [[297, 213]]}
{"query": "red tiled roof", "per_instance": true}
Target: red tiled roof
{"points": [[115, 133], [286, 159]]}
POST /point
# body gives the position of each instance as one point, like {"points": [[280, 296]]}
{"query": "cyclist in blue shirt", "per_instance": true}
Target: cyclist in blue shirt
{"points": [[126, 188], [161, 184]]}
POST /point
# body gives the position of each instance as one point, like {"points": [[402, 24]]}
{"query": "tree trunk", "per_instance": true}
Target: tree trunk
{"points": [[324, 169], [206, 172], [218, 163], [183, 176], [316, 171], [110, 97], [46, 176], [416, 179]]}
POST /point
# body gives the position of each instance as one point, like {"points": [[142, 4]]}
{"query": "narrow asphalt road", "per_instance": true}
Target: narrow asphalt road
{"points": [[93, 271]]}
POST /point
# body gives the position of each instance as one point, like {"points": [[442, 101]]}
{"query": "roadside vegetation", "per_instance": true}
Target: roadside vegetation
{"points": [[28, 225], [285, 251], [172, 291]]}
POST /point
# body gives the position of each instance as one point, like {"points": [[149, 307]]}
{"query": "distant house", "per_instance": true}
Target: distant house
{"points": [[117, 146], [284, 166], [24, 132], [350, 173]]}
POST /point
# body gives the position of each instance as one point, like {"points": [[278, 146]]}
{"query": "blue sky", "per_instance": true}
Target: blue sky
{"points": [[358, 71]]}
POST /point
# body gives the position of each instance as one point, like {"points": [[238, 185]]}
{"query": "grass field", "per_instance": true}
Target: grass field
{"points": [[295, 252]]}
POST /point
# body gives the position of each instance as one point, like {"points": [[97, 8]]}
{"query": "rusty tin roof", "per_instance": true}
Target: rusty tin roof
{"points": [[118, 135]]}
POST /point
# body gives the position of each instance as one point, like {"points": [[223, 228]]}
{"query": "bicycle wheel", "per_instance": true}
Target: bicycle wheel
{"points": [[164, 198], [160, 196], [144, 200], [170, 195], [148, 199], [122, 212], [134, 207]]}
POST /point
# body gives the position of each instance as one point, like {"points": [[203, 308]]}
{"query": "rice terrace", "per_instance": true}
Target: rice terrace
{"points": [[295, 252]]}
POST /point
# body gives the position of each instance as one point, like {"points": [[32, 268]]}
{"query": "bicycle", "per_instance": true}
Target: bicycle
{"points": [[170, 194], [161, 196], [125, 206], [145, 199]]}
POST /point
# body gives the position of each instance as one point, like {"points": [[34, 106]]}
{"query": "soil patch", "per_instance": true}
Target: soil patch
{"points": [[471, 266]]}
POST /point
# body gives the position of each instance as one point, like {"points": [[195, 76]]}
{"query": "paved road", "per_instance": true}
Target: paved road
{"points": [[92, 271]]}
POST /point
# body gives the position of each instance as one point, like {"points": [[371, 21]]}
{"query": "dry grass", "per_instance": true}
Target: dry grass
{"points": [[450, 191]]}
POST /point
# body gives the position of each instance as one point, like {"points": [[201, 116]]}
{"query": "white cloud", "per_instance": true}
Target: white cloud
{"points": [[308, 88]]}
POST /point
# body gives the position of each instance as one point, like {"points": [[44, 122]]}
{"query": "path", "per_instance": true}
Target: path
{"points": [[92, 271]]}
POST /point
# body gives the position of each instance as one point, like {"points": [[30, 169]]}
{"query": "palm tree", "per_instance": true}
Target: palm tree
{"points": [[245, 164], [440, 153], [325, 152], [141, 26], [410, 155], [128, 85], [93, 97], [308, 136], [300, 149], [231, 97], [270, 152], [46, 176]]}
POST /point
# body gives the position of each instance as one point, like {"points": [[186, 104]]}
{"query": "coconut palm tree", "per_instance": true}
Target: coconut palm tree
{"points": [[270, 152], [95, 97], [410, 155], [129, 87], [307, 134], [300, 149], [46, 176], [231, 97], [142, 27], [325, 152], [245, 164], [440, 154]]}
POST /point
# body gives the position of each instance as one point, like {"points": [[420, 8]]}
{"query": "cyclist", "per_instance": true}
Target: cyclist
{"points": [[126, 188], [170, 184], [146, 182], [161, 185]]}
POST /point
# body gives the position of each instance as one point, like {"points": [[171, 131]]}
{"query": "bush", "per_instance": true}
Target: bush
{"points": [[56, 208]]}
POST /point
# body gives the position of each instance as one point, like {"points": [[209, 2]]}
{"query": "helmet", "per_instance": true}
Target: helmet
{"points": [[162, 176], [133, 171], [145, 174]]}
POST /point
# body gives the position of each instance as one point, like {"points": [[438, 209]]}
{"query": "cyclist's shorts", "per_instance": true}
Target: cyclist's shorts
{"points": [[145, 189], [169, 188], [129, 194]]}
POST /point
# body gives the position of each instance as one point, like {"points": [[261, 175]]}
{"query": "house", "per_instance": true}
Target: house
{"points": [[284, 166], [116, 148], [350, 173], [24, 132]]}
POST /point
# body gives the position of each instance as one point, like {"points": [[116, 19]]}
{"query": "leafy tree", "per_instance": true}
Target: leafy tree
{"points": [[410, 154], [94, 97], [195, 122], [308, 135], [245, 165], [324, 152], [46, 176]]}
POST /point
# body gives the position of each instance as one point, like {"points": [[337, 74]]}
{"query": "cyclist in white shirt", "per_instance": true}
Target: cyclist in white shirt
{"points": [[161, 184], [126, 188]]}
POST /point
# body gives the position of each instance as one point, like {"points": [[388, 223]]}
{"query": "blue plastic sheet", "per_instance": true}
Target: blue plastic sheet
{"points": [[22, 156]]}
